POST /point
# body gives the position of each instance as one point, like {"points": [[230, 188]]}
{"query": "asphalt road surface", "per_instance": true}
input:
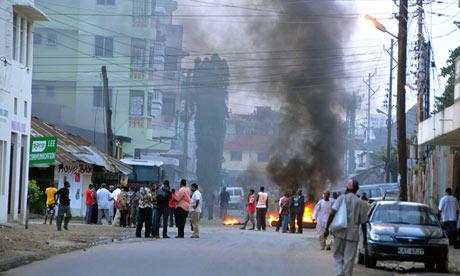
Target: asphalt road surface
{"points": [[220, 251]]}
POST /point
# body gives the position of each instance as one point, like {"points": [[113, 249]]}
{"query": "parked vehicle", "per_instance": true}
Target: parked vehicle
{"points": [[236, 197], [145, 172], [376, 192], [405, 231]]}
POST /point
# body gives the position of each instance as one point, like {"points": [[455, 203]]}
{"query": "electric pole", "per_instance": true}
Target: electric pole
{"points": [[186, 121], [389, 117], [401, 99], [368, 131], [108, 111]]}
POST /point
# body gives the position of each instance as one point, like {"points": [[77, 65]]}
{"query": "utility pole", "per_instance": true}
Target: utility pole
{"points": [[389, 117], [401, 99], [421, 64], [186, 121], [368, 131], [108, 111]]}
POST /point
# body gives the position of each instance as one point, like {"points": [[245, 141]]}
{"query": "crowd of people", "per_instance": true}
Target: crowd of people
{"points": [[148, 208]]}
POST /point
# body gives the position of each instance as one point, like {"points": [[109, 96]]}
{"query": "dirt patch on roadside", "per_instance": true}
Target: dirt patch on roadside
{"points": [[19, 246]]}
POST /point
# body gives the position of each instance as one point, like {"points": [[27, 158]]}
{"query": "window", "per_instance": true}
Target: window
{"points": [[105, 2], [236, 156], [15, 106], [25, 109], [169, 107], [15, 36], [98, 96], [37, 38], [22, 37], [136, 103], [50, 91], [51, 39], [103, 46], [151, 56], [171, 59], [28, 33], [262, 157], [137, 53], [153, 6], [140, 12]]}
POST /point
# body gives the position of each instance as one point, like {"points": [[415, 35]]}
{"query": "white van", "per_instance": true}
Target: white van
{"points": [[236, 197]]}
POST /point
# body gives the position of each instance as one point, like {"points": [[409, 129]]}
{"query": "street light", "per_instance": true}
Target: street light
{"points": [[379, 26], [381, 112]]}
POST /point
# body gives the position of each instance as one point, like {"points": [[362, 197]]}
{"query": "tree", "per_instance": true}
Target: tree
{"points": [[210, 97], [447, 97], [382, 156]]}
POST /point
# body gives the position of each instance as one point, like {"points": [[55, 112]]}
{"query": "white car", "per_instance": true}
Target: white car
{"points": [[236, 197]]}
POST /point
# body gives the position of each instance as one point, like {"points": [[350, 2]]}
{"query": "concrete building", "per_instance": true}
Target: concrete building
{"points": [[16, 28], [141, 50]]}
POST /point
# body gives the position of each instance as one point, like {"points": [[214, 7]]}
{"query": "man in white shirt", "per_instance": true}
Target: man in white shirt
{"points": [[115, 218], [103, 204], [261, 206], [195, 210], [448, 211]]}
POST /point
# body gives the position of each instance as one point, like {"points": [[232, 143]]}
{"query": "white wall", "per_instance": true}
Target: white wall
{"points": [[248, 158]]}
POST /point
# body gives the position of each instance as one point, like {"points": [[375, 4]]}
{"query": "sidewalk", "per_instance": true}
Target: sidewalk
{"points": [[19, 246]]}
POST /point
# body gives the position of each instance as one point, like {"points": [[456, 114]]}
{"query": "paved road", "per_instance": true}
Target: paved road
{"points": [[221, 251]]}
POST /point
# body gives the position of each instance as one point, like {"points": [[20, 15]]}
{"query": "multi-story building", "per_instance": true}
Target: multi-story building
{"points": [[133, 39], [16, 29]]}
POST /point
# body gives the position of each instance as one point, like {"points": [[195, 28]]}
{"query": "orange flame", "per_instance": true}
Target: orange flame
{"points": [[272, 217], [231, 221], [308, 212]]}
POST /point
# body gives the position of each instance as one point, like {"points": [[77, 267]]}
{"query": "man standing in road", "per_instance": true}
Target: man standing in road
{"points": [[123, 206], [89, 203], [163, 196], [103, 204], [182, 200], [448, 211], [144, 197], [64, 206], [261, 206], [224, 199], [115, 197], [195, 210], [172, 208], [321, 214], [294, 210], [250, 210], [346, 240], [50, 193], [300, 212]]}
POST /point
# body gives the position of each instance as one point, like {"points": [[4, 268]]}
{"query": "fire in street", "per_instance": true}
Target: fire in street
{"points": [[308, 222], [229, 221]]}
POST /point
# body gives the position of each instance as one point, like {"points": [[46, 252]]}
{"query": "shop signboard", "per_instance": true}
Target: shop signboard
{"points": [[42, 150]]}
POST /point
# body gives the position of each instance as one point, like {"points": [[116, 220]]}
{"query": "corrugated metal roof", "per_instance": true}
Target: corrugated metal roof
{"points": [[72, 148]]}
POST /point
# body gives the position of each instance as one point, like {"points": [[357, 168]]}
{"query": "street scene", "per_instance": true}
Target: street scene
{"points": [[230, 137]]}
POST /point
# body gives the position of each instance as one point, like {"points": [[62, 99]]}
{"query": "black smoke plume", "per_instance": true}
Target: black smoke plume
{"points": [[309, 34]]}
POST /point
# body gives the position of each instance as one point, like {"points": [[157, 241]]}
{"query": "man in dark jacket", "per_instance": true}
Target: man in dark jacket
{"points": [[300, 212], [63, 195], [224, 199], [163, 196]]}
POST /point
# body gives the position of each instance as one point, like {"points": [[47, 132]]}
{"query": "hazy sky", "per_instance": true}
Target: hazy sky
{"points": [[221, 26]]}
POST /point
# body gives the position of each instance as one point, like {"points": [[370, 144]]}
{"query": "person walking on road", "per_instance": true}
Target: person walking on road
{"points": [[250, 210], [195, 210], [224, 199], [182, 200], [123, 206], [50, 193], [321, 213], [261, 206], [163, 197], [346, 240], [144, 197], [448, 211], [300, 212], [285, 206], [172, 208], [103, 204], [64, 207], [89, 200]]}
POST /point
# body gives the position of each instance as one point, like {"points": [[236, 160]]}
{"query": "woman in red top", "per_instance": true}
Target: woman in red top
{"points": [[251, 202], [172, 208]]}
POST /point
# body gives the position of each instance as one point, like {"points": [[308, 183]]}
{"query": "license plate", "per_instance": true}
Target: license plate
{"points": [[410, 251]]}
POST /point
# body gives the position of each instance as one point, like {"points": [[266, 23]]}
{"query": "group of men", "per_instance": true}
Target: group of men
{"points": [[291, 210], [257, 207]]}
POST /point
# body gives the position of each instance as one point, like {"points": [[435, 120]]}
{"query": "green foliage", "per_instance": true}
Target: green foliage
{"points": [[36, 198], [210, 96], [382, 156], [447, 97]]}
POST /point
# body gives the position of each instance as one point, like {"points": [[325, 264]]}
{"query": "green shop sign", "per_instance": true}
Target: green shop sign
{"points": [[42, 150]]}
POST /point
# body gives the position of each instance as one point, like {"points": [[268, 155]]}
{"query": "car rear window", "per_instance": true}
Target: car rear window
{"points": [[404, 214]]}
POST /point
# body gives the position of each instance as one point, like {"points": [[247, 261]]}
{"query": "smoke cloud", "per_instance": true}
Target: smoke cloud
{"points": [[310, 148]]}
